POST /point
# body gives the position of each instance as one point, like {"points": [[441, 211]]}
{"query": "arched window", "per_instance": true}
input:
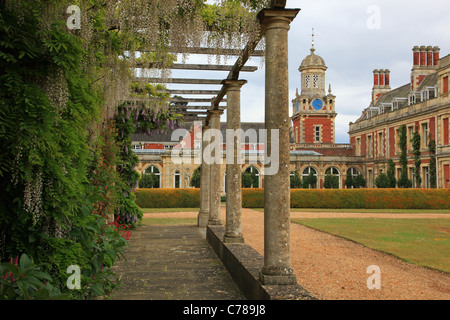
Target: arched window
{"points": [[151, 178], [177, 179], [309, 177], [250, 178], [332, 178]]}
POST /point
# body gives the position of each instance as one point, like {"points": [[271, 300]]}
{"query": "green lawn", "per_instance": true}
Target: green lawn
{"points": [[367, 210], [424, 242]]}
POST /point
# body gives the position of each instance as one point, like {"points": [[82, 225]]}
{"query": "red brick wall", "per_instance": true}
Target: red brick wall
{"points": [[153, 146], [326, 131]]}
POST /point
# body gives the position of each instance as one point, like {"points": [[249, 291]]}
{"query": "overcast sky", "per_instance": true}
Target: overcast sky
{"points": [[354, 37]]}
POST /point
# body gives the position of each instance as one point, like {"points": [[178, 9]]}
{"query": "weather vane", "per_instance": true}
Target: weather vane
{"points": [[313, 37]]}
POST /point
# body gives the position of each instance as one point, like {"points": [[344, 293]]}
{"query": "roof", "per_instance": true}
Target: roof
{"points": [[312, 60]]}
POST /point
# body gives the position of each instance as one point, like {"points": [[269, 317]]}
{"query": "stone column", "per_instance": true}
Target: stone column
{"points": [[203, 215], [215, 175], [233, 229], [277, 257]]}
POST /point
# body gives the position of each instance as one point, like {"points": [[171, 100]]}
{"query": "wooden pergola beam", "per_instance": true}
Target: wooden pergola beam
{"points": [[187, 66], [196, 92], [179, 80], [208, 51]]}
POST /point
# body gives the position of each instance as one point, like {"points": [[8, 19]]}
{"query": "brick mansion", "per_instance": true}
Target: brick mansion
{"points": [[422, 104]]}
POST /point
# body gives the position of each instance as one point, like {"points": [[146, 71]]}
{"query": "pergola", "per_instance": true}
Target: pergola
{"points": [[275, 23]]}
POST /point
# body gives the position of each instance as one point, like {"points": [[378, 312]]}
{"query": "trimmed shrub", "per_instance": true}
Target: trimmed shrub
{"points": [[168, 198], [357, 198]]}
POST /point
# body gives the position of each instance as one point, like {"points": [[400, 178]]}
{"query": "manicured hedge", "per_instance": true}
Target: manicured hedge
{"points": [[168, 198], [357, 198]]}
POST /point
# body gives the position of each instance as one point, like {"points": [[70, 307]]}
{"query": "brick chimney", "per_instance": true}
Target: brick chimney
{"points": [[425, 62], [381, 83]]}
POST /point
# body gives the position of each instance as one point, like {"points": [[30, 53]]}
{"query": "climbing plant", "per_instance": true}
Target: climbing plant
{"points": [[403, 181], [432, 149], [416, 144], [66, 116]]}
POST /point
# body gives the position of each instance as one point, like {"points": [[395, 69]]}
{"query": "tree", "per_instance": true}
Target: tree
{"points": [[415, 141], [195, 180], [359, 181], [432, 148], [310, 181], [391, 174], [331, 182], [349, 180], [403, 181], [382, 181], [296, 182]]}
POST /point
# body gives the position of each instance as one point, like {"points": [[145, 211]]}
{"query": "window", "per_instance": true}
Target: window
{"points": [[446, 131], [154, 172], [397, 140], [426, 177], [380, 144], [315, 81], [369, 146], [307, 81], [445, 84], [317, 133], [136, 147], [177, 179], [424, 137], [310, 174], [250, 178], [409, 136], [334, 172], [358, 146]]}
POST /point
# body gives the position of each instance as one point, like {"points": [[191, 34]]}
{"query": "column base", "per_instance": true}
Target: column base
{"points": [[202, 219], [233, 239], [277, 277], [215, 222]]}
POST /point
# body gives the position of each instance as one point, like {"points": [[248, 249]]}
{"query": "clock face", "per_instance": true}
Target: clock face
{"points": [[317, 104]]}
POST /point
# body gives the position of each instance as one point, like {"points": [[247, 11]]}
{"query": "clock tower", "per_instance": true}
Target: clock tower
{"points": [[313, 110]]}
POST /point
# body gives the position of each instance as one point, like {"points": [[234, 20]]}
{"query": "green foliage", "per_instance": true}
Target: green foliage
{"points": [[391, 174], [432, 149], [310, 181], [331, 182], [22, 279], [349, 180], [149, 180], [382, 181], [415, 140], [357, 198], [403, 181], [195, 180], [249, 179], [168, 198], [295, 181]]}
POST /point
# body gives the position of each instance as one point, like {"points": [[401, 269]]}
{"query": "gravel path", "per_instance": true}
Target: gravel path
{"points": [[333, 268]]}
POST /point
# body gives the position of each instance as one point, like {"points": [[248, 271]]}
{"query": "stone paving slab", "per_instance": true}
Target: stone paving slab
{"points": [[173, 263]]}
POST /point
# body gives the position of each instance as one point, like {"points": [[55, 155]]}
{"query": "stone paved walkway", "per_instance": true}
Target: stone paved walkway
{"points": [[173, 263]]}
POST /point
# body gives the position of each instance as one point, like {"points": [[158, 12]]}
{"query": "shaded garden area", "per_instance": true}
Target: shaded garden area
{"points": [[66, 116]]}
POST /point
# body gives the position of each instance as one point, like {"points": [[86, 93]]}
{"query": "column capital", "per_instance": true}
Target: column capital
{"points": [[233, 84], [214, 113], [273, 18]]}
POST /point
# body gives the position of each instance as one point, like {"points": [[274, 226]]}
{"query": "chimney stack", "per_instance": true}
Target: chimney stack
{"points": [[426, 61], [436, 56], [423, 56], [381, 81], [416, 55]]}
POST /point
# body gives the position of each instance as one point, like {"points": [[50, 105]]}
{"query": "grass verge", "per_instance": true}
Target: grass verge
{"points": [[423, 242]]}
